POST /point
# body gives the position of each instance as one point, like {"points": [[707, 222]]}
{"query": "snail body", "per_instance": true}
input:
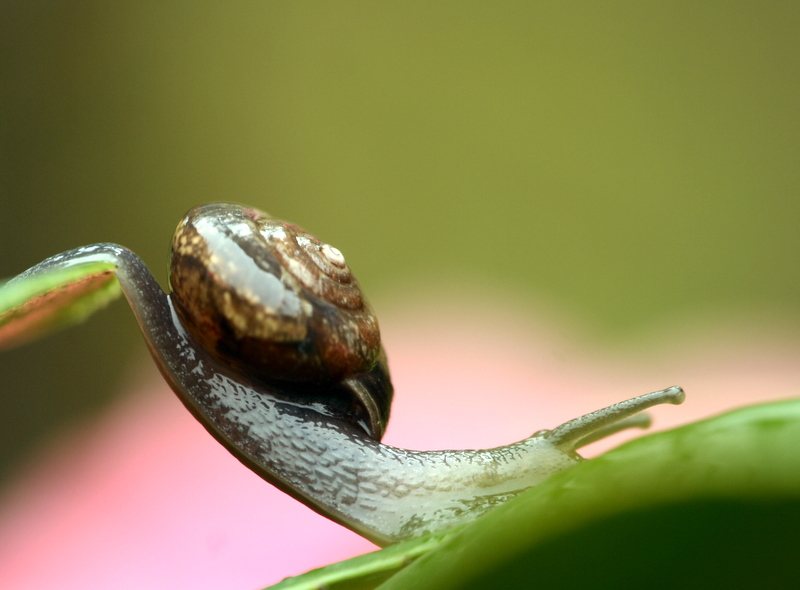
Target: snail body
{"points": [[268, 341]]}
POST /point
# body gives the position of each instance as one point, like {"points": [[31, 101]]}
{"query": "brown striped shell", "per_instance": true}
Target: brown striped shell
{"points": [[270, 297]]}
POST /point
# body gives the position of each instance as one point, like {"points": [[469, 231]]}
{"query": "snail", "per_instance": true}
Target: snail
{"points": [[269, 342]]}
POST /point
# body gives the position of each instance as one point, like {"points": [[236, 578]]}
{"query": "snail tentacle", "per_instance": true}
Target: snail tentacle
{"points": [[642, 421], [570, 434]]}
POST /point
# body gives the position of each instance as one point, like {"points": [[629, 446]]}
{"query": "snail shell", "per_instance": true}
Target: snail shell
{"points": [[271, 296], [269, 299]]}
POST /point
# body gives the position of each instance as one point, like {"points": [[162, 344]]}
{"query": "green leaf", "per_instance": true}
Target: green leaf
{"points": [[34, 305], [365, 571], [712, 504]]}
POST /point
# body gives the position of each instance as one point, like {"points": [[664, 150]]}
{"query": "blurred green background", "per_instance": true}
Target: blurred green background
{"points": [[631, 162]]}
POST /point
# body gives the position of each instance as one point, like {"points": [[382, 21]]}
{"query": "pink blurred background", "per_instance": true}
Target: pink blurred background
{"points": [[144, 498]]}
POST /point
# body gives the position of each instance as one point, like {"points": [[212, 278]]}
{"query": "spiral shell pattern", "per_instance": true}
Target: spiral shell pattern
{"points": [[265, 295]]}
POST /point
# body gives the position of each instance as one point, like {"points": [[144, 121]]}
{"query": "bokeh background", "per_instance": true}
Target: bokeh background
{"points": [[620, 167]]}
